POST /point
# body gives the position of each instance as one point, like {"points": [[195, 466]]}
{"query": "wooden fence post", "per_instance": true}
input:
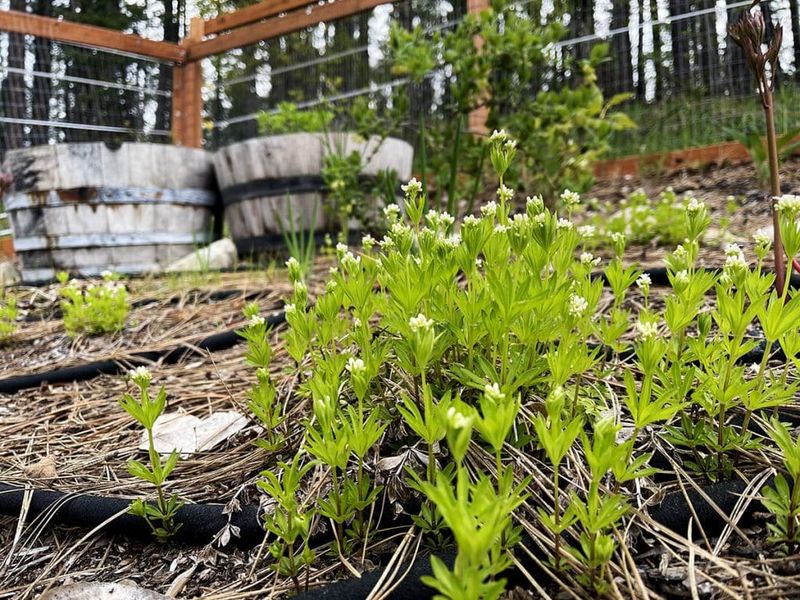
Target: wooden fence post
{"points": [[476, 122], [187, 101]]}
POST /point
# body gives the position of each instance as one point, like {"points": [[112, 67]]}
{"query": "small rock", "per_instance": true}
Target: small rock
{"points": [[44, 469], [219, 255], [9, 274], [107, 591]]}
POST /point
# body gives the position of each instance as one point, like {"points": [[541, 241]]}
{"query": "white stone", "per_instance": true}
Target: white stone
{"points": [[9, 274], [218, 255], [106, 591]]}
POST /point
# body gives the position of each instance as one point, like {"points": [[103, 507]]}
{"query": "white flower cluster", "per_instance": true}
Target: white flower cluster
{"points": [[367, 242], [355, 365], [762, 239], [140, 376], [788, 203], [695, 206], [256, 321], [588, 259], [420, 323], [505, 194], [734, 257], [682, 277], [412, 189], [646, 330], [644, 282], [489, 209], [439, 219], [492, 391], [392, 211], [577, 305], [458, 420], [534, 204], [565, 224], [570, 198], [587, 231]]}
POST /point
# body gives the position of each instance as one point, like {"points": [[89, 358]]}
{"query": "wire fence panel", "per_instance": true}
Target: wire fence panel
{"points": [[52, 92], [333, 62], [689, 82]]}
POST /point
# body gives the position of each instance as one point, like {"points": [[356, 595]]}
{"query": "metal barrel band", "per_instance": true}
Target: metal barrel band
{"points": [[95, 196], [270, 187], [108, 240]]}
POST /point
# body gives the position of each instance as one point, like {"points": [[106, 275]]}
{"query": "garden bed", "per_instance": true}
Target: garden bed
{"points": [[76, 438]]}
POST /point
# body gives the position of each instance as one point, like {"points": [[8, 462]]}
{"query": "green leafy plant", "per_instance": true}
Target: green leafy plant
{"points": [[288, 118], [145, 410], [94, 309], [782, 498], [8, 318], [560, 132]]}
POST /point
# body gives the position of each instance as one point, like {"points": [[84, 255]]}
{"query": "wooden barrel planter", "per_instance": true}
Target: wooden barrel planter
{"points": [[261, 178], [85, 208]]}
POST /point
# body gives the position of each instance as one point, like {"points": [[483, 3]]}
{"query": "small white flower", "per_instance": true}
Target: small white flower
{"points": [[368, 241], [535, 204], [694, 206], [577, 305], [570, 198], [754, 368], [505, 194], [355, 365], [564, 224], [500, 228], [734, 257], [539, 219], [788, 203], [457, 420], [587, 231], [479, 262], [680, 252], [762, 239], [140, 376], [587, 258], [498, 136], [470, 220], [341, 248], [489, 209], [392, 212], [644, 281], [492, 391], [646, 330], [256, 321], [349, 261], [289, 309], [420, 323], [618, 238], [682, 277], [356, 322], [412, 188], [386, 243]]}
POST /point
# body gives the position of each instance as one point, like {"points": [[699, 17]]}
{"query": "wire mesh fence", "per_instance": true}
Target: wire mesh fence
{"points": [[52, 92], [689, 83]]}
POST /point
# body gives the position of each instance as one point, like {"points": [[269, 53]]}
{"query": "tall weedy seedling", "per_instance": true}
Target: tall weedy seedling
{"points": [[94, 309], [749, 32], [145, 410]]}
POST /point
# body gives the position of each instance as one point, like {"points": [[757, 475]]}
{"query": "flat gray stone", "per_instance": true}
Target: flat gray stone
{"points": [[101, 591]]}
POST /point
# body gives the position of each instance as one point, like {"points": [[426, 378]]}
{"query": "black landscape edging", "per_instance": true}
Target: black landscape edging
{"points": [[212, 343]]}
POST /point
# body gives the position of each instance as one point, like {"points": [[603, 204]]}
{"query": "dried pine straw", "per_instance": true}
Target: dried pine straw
{"points": [[75, 438]]}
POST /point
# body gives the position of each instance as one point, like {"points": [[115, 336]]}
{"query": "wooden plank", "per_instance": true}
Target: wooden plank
{"points": [[251, 14], [187, 101], [14, 21], [276, 26], [667, 162], [476, 121]]}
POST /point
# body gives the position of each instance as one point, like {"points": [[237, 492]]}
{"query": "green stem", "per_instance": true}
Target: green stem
{"points": [[423, 158], [475, 187], [451, 189]]}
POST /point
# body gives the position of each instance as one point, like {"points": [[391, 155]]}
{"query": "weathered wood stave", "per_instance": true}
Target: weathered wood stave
{"points": [[261, 177], [85, 208]]}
